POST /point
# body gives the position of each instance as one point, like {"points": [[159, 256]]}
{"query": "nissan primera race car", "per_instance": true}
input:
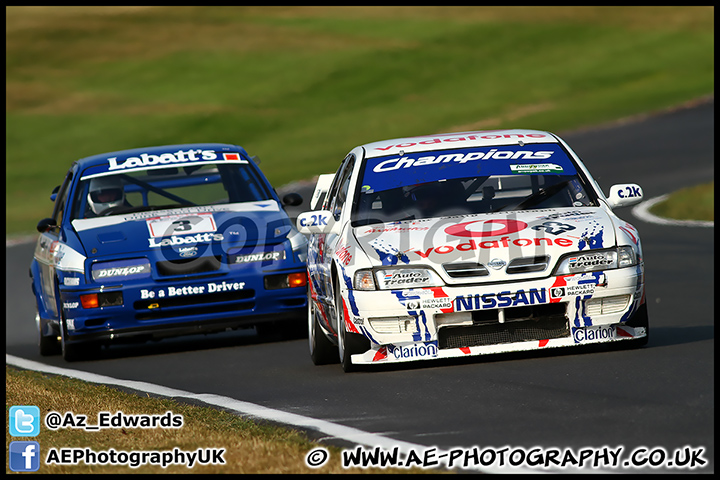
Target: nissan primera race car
{"points": [[466, 244], [164, 241]]}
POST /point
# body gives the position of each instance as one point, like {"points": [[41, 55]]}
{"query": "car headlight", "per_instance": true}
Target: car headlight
{"points": [[363, 280], [595, 260], [121, 269], [396, 279], [626, 257]]}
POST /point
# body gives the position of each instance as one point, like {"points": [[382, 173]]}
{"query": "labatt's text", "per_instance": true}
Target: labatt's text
{"points": [[146, 160], [190, 239]]}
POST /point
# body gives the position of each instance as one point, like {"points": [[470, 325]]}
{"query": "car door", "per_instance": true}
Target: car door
{"points": [[327, 243]]}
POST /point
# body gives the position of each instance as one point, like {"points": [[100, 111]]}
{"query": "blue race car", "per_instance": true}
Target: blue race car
{"points": [[165, 241]]}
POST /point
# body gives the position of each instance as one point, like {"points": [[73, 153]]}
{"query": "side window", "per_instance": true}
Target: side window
{"points": [[61, 199], [332, 191], [339, 191]]}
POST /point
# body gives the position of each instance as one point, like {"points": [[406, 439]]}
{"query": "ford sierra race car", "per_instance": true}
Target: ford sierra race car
{"points": [[163, 241], [472, 243]]}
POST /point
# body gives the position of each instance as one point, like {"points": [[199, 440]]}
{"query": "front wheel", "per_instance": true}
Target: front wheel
{"points": [[343, 350], [640, 319], [348, 343], [70, 351], [74, 351], [47, 344], [322, 351]]}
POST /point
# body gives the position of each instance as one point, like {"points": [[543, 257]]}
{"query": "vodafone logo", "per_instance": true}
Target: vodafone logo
{"points": [[487, 228]]}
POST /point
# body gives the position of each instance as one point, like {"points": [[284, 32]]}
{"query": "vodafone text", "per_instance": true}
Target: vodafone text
{"points": [[519, 457]]}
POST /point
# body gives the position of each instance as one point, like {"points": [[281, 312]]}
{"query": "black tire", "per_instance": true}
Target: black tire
{"points": [[71, 352], [47, 344], [640, 319], [322, 350], [348, 343]]}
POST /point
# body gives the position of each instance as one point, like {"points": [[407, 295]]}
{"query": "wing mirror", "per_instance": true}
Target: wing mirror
{"points": [[45, 224], [625, 195], [317, 221], [292, 199]]}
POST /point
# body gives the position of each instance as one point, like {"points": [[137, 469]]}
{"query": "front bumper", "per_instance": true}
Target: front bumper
{"points": [[190, 306], [447, 322]]}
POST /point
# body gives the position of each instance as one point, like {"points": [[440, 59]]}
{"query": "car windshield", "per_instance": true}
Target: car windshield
{"points": [[137, 190], [467, 181]]}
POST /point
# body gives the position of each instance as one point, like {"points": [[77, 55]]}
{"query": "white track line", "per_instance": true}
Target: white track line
{"points": [[332, 430]]}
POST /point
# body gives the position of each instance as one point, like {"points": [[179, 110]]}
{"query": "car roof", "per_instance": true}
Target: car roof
{"points": [[102, 158], [443, 141]]}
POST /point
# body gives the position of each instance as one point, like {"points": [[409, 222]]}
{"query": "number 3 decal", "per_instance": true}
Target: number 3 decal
{"points": [[181, 224]]}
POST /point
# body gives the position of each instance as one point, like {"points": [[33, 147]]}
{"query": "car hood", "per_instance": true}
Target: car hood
{"points": [[228, 226], [493, 240]]}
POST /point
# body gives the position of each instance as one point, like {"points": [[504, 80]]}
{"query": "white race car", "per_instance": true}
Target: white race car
{"points": [[471, 243]]}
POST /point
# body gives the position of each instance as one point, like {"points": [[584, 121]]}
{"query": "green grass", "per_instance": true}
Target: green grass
{"points": [[250, 447], [694, 203], [301, 86]]}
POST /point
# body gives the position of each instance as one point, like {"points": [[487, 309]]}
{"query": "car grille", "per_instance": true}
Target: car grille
{"points": [[217, 302], [188, 266], [528, 264], [463, 270], [517, 265], [522, 324]]}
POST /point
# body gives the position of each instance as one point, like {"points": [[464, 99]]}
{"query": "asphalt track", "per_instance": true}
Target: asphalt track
{"points": [[660, 397]]}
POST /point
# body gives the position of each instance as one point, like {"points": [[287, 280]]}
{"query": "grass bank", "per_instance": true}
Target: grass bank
{"points": [[300, 86], [694, 203], [248, 447]]}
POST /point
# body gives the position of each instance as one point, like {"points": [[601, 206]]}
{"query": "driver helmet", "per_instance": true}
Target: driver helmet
{"points": [[104, 193], [428, 197]]}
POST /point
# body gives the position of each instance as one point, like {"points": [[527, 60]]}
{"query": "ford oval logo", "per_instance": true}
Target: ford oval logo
{"points": [[496, 263], [188, 252]]}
